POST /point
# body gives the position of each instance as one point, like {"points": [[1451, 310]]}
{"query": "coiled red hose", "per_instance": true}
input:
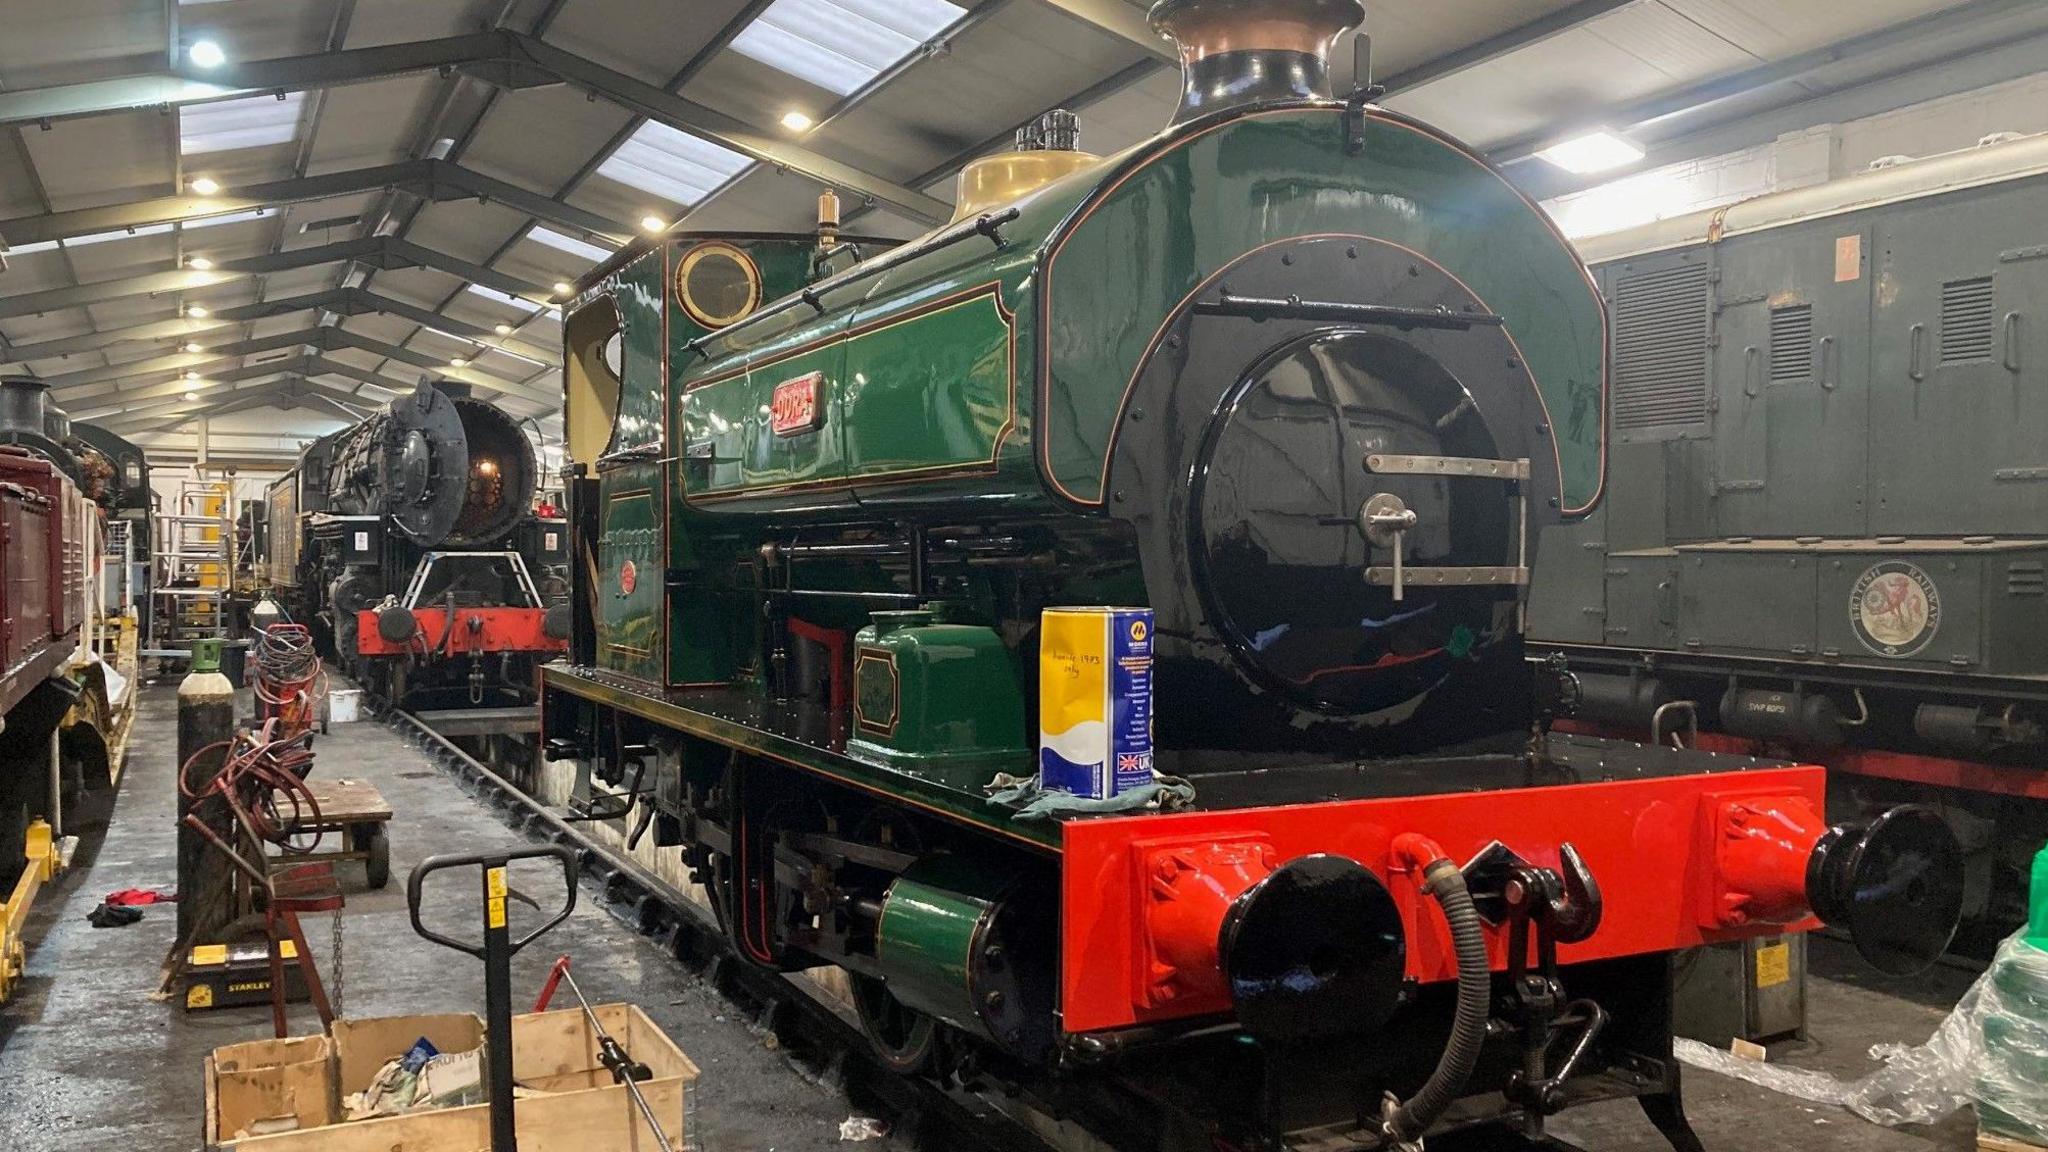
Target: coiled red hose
{"points": [[262, 779], [289, 680]]}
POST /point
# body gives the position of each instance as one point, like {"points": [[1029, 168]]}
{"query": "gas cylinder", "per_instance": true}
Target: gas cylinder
{"points": [[206, 717]]}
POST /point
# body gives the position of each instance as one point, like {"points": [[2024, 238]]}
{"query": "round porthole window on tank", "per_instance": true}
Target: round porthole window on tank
{"points": [[718, 285]]}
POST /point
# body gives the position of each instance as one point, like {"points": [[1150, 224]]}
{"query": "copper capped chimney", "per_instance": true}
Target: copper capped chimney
{"points": [[1236, 52]]}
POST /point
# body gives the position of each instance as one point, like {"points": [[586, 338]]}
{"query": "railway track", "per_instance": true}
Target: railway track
{"points": [[820, 1038]]}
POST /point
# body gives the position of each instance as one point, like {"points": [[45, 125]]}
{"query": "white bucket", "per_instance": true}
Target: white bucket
{"points": [[344, 705]]}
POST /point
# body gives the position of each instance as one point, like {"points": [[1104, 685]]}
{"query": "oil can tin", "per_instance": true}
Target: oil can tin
{"points": [[1095, 700]]}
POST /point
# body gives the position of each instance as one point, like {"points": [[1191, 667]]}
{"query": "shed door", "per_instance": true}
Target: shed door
{"points": [[1792, 364], [1959, 443]]}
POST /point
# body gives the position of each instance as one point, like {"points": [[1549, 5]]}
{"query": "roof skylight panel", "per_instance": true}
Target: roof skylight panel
{"points": [[26, 249], [569, 244], [250, 122], [839, 45], [672, 164]]}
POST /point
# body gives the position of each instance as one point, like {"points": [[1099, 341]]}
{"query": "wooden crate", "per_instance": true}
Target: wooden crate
{"points": [[268, 1081], [553, 1053]]}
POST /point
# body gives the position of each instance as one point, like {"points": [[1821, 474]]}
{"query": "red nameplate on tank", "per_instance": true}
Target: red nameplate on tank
{"points": [[794, 410]]}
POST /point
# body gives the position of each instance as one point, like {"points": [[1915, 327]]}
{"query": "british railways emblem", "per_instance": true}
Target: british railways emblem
{"points": [[1895, 609]]}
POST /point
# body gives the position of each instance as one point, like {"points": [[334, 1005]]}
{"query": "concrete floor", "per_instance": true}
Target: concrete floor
{"points": [[1849, 1008], [89, 1061]]}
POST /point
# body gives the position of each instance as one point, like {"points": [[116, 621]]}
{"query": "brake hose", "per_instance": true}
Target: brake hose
{"points": [[1404, 1123]]}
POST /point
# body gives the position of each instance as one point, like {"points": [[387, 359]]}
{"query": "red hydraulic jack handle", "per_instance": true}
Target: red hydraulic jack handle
{"points": [[547, 990], [624, 1069]]}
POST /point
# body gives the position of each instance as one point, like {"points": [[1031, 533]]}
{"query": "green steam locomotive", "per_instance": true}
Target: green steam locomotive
{"points": [[1302, 377]]}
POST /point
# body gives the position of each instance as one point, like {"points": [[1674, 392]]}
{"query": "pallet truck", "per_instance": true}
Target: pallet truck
{"points": [[496, 952]]}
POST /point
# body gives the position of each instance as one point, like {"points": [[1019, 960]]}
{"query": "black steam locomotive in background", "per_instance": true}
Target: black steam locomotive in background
{"points": [[410, 545]]}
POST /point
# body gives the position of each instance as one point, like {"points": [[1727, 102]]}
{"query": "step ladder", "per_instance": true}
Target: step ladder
{"points": [[195, 565]]}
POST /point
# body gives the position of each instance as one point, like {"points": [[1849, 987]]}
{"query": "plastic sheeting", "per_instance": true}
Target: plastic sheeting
{"points": [[1992, 1050], [117, 684]]}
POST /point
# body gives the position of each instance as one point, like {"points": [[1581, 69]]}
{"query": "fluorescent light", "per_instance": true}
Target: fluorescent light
{"points": [[672, 164], [193, 349], [25, 249], [591, 252], [250, 122], [840, 45], [207, 54], [197, 312], [653, 224], [519, 302], [517, 356], [205, 185], [445, 332], [796, 121], [502, 329], [201, 263], [1593, 152], [122, 234], [226, 218]]}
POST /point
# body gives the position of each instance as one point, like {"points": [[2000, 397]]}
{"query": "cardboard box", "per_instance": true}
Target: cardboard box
{"points": [[265, 1084], [576, 1108], [363, 1047]]}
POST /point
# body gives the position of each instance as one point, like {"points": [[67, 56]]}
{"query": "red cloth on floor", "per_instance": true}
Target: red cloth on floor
{"points": [[127, 896]]}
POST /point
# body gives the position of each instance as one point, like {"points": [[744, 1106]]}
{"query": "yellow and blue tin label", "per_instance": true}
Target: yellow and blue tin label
{"points": [[1095, 700]]}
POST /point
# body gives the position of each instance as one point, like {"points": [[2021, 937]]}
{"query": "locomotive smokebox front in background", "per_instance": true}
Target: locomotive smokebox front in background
{"points": [[447, 468]]}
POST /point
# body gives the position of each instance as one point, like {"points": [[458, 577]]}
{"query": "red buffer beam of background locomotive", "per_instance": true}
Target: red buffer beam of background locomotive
{"points": [[476, 630]]}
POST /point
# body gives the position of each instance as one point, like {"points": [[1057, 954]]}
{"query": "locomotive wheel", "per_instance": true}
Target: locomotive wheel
{"points": [[903, 1038]]}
